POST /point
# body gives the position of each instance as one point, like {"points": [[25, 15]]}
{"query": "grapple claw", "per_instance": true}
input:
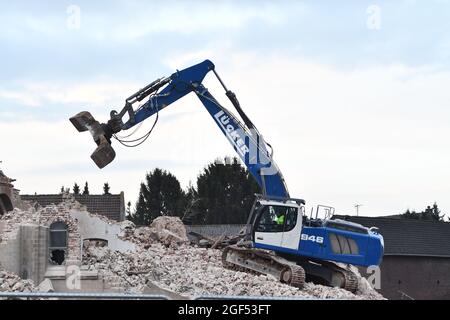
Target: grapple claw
{"points": [[104, 154], [82, 121]]}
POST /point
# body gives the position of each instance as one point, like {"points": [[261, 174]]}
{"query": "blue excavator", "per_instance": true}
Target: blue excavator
{"points": [[280, 239]]}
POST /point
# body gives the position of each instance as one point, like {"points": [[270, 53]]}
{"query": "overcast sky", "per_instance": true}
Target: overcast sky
{"points": [[353, 96]]}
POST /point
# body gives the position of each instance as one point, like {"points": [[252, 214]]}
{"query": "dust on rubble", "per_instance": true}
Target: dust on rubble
{"points": [[169, 231], [10, 282], [165, 258]]}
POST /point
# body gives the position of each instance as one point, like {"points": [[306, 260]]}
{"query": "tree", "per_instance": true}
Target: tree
{"points": [[191, 210], [62, 190], [159, 195], [86, 189], [225, 193], [128, 210], [106, 188], [76, 189], [436, 213], [430, 213]]}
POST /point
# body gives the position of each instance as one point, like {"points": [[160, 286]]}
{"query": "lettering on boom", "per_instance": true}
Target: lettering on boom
{"points": [[233, 134]]}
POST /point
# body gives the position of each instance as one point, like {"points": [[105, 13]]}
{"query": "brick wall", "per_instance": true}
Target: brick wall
{"points": [[24, 247]]}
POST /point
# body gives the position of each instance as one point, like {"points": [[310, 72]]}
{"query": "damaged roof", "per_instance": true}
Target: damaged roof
{"points": [[408, 236], [111, 206]]}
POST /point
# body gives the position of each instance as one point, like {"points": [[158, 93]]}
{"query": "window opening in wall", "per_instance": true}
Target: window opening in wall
{"points": [[58, 242]]}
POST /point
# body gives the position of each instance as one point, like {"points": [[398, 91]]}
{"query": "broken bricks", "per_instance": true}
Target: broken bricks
{"points": [[164, 259]]}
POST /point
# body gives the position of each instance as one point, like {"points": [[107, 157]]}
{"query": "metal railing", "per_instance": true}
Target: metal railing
{"points": [[81, 296], [134, 296]]}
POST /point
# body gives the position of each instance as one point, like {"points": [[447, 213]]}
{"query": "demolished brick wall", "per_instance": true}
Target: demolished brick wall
{"points": [[164, 258], [46, 217]]}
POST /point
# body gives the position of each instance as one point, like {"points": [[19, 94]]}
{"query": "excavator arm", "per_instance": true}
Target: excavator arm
{"points": [[289, 253], [244, 137]]}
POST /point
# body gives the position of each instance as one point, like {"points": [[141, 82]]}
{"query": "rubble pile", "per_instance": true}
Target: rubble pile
{"points": [[169, 262], [164, 258], [10, 282], [169, 231]]}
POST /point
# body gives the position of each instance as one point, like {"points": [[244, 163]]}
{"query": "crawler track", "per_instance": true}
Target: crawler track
{"points": [[256, 261], [263, 262]]}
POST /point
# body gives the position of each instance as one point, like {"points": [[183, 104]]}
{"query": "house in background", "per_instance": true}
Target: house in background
{"points": [[416, 261], [111, 206], [7, 193]]}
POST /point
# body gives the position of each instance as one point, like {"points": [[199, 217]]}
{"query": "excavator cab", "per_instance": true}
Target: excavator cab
{"points": [[299, 242], [275, 222]]}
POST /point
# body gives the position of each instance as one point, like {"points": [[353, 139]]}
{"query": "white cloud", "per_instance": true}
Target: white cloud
{"points": [[187, 17], [185, 59], [99, 92], [138, 19], [19, 96], [376, 136]]}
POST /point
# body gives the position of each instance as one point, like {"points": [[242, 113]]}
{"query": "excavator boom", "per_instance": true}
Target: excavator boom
{"points": [[245, 138], [280, 240]]}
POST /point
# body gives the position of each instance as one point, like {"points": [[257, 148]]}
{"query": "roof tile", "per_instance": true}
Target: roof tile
{"points": [[110, 206]]}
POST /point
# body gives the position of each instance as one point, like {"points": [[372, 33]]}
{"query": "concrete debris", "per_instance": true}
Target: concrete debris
{"points": [[10, 282], [211, 242], [192, 271], [46, 286], [169, 231], [164, 259]]}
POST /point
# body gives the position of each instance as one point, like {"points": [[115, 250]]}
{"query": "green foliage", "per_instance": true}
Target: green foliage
{"points": [[430, 213], [160, 195], [225, 193], [76, 189], [191, 211], [128, 210], [106, 188], [86, 189]]}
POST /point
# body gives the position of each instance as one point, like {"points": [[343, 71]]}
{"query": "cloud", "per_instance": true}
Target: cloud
{"points": [[191, 17], [376, 136], [145, 18], [19, 96], [98, 92]]}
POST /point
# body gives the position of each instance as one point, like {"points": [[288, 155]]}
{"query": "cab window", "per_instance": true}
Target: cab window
{"points": [[277, 219]]}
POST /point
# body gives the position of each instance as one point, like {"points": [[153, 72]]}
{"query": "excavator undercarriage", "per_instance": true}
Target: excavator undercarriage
{"points": [[294, 272], [263, 262]]}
